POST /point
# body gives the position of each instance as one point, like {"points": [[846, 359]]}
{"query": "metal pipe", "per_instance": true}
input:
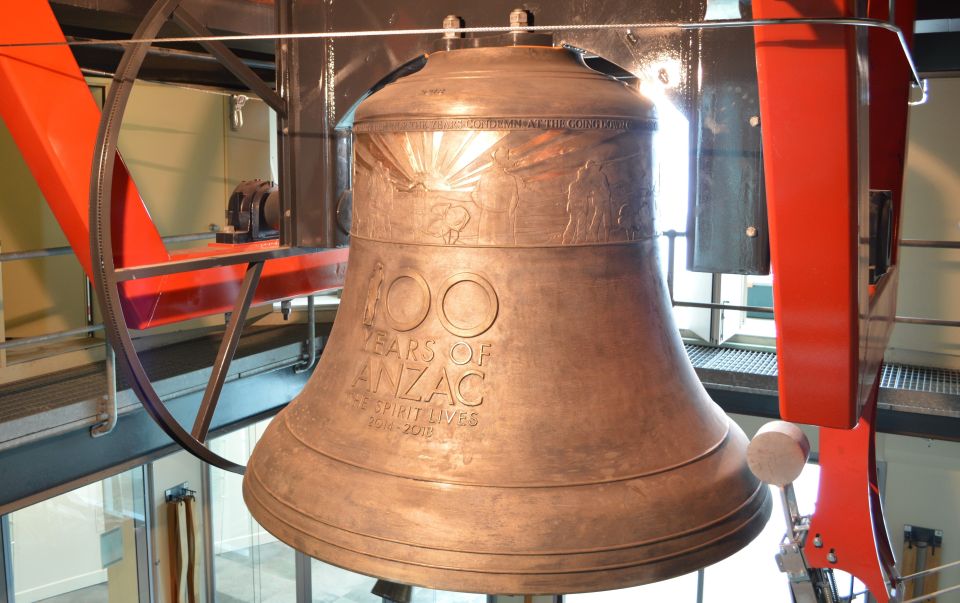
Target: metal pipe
{"points": [[32, 254], [110, 399], [936, 322], [929, 243], [683, 25], [311, 338], [716, 315], [933, 595], [30, 341], [932, 570], [686, 304], [671, 257], [173, 53], [89, 299]]}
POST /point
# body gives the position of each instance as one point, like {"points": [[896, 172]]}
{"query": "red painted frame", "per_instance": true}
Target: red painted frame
{"points": [[830, 133], [822, 153], [48, 108]]}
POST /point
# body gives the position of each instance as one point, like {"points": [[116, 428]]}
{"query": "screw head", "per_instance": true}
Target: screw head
{"points": [[752, 232], [451, 22], [831, 556], [817, 541], [519, 18], [754, 121]]}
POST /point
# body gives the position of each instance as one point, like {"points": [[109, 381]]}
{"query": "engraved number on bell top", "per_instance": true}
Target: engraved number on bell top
{"points": [[467, 304]]}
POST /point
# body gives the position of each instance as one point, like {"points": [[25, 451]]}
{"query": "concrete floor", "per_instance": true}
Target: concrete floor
{"points": [[91, 594], [265, 574]]}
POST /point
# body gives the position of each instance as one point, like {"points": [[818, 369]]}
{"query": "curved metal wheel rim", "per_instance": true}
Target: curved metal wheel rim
{"points": [[101, 245]]}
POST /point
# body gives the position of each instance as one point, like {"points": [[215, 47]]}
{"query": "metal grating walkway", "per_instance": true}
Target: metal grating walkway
{"points": [[736, 361], [920, 379], [894, 376], [905, 390]]}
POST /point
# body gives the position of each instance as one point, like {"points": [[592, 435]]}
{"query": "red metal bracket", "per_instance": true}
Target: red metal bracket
{"points": [[48, 108], [849, 517]]}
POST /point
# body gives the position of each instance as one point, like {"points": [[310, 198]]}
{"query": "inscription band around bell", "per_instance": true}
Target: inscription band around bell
{"points": [[504, 404]]}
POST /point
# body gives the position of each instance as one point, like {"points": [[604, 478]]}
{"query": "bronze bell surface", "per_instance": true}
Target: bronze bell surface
{"points": [[504, 404]]}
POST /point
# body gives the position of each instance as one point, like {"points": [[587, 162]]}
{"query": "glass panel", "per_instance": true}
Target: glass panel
{"points": [[680, 589], [749, 576], [80, 546], [249, 564], [335, 585], [426, 595], [752, 573]]}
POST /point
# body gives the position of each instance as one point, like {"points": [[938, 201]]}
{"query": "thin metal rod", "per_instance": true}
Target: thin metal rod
{"points": [[67, 250], [231, 61], [110, 399], [303, 575], [671, 257], [718, 24], [932, 570], [928, 243], [716, 315], [311, 337], [686, 304], [175, 53], [210, 261], [935, 322], [937, 593], [89, 299], [30, 341], [228, 347]]}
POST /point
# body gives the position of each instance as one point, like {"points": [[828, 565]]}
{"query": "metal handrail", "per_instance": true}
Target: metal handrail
{"points": [[672, 236], [37, 339], [46, 252]]}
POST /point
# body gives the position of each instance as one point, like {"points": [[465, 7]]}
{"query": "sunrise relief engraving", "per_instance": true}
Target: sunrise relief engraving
{"points": [[503, 188]]}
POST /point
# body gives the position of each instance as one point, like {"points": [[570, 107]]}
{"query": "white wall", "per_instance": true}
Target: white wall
{"points": [[56, 545], [169, 472], [930, 278], [922, 489]]}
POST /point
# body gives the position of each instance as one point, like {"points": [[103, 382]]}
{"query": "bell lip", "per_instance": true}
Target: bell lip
{"points": [[493, 573], [527, 583]]}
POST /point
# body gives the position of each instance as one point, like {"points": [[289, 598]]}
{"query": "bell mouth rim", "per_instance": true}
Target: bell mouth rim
{"points": [[721, 443], [761, 492], [371, 564]]}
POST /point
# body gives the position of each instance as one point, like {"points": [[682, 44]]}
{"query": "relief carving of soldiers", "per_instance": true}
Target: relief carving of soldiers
{"points": [[498, 196], [588, 206], [382, 198]]}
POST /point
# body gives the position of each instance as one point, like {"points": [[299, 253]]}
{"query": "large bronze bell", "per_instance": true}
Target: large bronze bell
{"points": [[504, 405]]}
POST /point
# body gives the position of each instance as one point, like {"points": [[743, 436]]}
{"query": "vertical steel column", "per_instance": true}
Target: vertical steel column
{"points": [[206, 512], [142, 535], [6, 561], [304, 579], [716, 314]]}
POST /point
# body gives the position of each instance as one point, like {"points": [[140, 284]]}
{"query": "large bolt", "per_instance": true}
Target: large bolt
{"points": [[519, 18], [451, 22], [832, 556]]}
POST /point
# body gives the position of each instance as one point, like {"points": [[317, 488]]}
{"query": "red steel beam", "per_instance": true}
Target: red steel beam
{"points": [[48, 108], [830, 134]]}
